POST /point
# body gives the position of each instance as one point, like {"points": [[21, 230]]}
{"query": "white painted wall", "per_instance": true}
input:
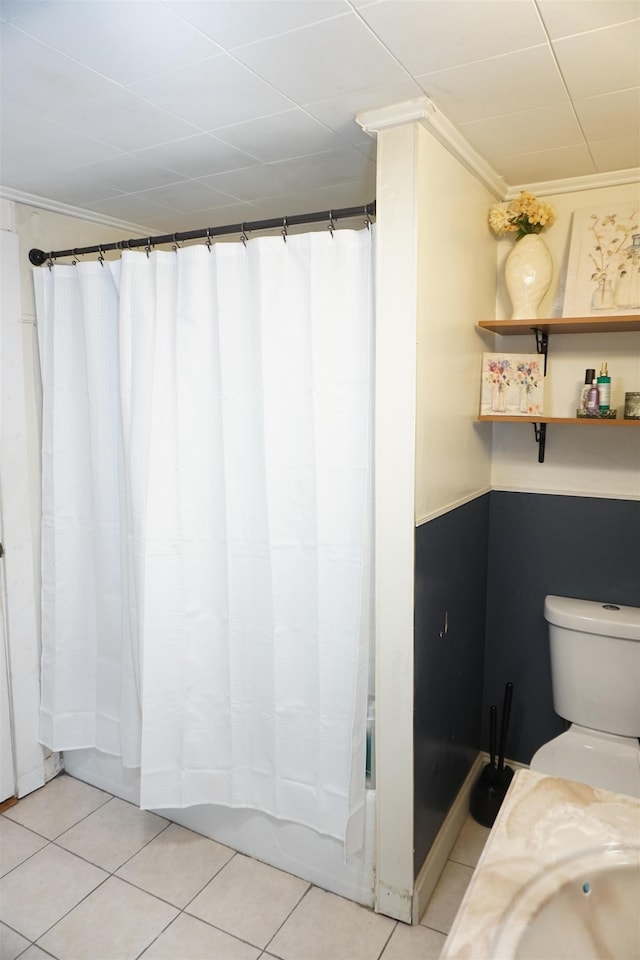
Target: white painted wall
{"points": [[397, 283], [580, 460]]}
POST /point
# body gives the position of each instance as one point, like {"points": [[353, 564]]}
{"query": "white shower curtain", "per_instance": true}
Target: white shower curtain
{"points": [[207, 470]]}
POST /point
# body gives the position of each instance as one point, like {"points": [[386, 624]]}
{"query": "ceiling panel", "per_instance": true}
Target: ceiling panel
{"points": [[204, 112]]}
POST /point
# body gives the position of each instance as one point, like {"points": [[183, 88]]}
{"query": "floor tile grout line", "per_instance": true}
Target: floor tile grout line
{"points": [[293, 909], [26, 859], [70, 910], [386, 944], [74, 824]]}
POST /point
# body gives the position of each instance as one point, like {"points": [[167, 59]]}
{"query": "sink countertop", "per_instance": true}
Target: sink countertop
{"points": [[542, 820]]}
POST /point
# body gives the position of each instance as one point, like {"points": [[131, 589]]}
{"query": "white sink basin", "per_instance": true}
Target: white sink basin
{"points": [[585, 906]]}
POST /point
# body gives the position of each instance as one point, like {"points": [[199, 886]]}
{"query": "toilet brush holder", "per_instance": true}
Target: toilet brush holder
{"points": [[492, 784]]}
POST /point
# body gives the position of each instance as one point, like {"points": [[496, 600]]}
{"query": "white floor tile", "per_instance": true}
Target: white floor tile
{"points": [[414, 943], [324, 927], [470, 843], [42, 889], [112, 834], [447, 896], [192, 939], [248, 899], [176, 865], [17, 844], [57, 806], [11, 943], [116, 922]]}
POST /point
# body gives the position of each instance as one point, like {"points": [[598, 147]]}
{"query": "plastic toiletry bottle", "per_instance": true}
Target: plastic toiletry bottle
{"points": [[589, 377], [604, 389], [593, 399]]}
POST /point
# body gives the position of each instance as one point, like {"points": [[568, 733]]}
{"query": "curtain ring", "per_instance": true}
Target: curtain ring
{"points": [[331, 224], [50, 264], [367, 222], [209, 239], [147, 249], [284, 229], [243, 236], [176, 245], [101, 256]]}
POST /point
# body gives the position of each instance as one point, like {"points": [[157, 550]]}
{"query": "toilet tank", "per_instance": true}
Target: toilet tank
{"points": [[595, 663]]}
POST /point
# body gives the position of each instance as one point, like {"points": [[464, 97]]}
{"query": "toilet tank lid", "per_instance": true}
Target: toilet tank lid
{"points": [[591, 616]]}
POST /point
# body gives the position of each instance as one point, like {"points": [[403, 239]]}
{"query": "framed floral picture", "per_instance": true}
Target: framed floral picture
{"points": [[603, 274], [512, 385]]}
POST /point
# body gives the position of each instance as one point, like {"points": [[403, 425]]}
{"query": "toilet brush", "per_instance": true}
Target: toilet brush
{"points": [[491, 787]]}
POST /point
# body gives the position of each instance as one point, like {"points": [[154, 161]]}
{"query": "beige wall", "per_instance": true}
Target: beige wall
{"points": [[457, 289]]}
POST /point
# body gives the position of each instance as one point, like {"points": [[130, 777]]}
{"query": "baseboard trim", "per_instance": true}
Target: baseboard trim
{"points": [[444, 842]]}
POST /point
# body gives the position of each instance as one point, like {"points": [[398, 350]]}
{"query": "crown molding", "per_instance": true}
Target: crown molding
{"points": [[381, 118], [592, 181], [423, 110], [54, 206]]}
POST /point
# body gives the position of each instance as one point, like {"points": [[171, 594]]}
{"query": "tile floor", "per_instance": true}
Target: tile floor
{"points": [[86, 876]]}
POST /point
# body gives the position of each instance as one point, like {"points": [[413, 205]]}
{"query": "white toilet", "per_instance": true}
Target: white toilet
{"points": [[595, 672]]}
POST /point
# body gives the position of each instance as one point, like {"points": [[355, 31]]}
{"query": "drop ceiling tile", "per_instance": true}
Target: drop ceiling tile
{"points": [[620, 153], [34, 76], [323, 60], [172, 222], [254, 183], [352, 194], [131, 208], [339, 113], [123, 41], [230, 23], [23, 172], [12, 10], [327, 169], [74, 187], [579, 16], [541, 129], [189, 196], [127, 173], [611, 115], [123, 120], [213, 93], [601, 61], [57, 147], [426, 35], [281, 136], [199, 156], [501, 85], [559, 164], [14, 115]]}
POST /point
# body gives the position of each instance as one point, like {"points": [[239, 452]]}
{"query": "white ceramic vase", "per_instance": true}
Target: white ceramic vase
{"points": [[528, 271]]}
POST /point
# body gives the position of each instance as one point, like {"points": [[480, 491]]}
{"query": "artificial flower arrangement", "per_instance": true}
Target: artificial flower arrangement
{"points": [[522, 215]]}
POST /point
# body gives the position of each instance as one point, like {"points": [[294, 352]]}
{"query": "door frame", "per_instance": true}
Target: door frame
{"points": [[20, 553]]}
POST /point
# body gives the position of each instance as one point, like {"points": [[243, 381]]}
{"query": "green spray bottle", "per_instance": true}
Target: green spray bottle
{"points": [[604, 389]]}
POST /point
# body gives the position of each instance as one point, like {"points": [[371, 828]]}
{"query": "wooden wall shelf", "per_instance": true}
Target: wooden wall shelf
{"points": [[541, 330], [581, 420], [608, 324]]}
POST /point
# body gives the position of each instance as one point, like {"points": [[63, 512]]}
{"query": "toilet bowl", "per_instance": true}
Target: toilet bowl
{"points": [[595, 673]]}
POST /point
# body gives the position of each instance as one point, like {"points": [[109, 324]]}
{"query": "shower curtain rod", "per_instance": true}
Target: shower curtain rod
{"points": [[38, 257]]}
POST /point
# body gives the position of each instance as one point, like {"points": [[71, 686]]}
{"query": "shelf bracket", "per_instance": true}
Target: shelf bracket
{"points": [[542, 344], [540, 431]]}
